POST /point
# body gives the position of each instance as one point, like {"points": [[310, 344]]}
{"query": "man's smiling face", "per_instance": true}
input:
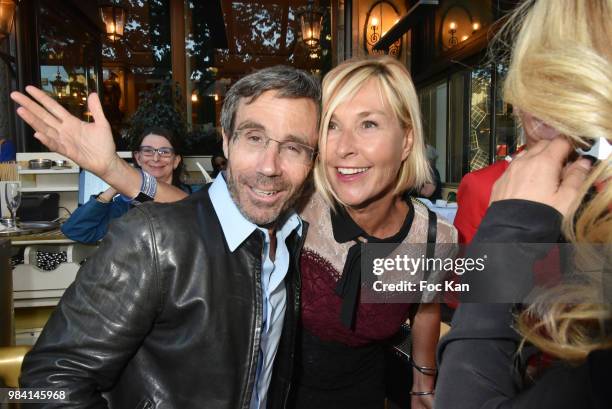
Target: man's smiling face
{"points": [[262, 183]]}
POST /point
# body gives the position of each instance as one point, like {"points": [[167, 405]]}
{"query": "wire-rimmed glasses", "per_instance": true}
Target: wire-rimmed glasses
{"points": [[290, 151]]}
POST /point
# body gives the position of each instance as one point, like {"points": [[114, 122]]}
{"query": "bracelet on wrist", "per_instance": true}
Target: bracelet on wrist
{"points": [[422, 393], [148, 185], [148, 189], [425, 370]]}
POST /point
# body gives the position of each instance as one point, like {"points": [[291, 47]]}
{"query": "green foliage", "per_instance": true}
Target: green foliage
{"points": [[163, 107], [203, 140]]}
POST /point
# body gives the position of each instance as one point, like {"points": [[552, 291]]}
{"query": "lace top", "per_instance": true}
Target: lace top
{"points": [[322, 262]]}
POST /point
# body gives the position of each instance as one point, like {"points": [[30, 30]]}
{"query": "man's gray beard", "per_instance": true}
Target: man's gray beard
{"points": [[280, 217]]}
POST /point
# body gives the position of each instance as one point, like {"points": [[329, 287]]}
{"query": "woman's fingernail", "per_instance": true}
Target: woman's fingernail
{"points": [[586, 161]]}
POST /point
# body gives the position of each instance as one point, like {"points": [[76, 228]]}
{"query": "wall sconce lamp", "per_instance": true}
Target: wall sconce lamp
{"points": [[452, 30], [381, 16], [373, 35], [457, 25]]}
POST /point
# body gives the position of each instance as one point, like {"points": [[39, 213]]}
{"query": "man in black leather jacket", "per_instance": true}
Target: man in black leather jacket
{"points": [[173, 310]]}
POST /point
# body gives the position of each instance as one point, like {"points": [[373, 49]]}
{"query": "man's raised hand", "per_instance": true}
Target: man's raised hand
{"points": [[89, 144]]}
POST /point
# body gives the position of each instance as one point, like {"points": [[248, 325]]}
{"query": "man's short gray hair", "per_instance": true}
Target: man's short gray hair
{"points": [[288, 82]]}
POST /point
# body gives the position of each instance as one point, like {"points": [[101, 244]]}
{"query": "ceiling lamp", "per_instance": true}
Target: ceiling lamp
{"points": [[113, 17], [59, 85], [311, 19]]}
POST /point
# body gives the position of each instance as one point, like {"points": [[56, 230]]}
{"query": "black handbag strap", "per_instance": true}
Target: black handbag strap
{"points": [[432, 231]]}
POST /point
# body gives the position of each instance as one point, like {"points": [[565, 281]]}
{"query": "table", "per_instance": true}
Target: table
{"points": [[6, 296], [448, 213], [35, 291], [33, 287], [442, 208], [54, 236]]}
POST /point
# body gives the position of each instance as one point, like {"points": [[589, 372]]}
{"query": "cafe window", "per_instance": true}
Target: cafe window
{"points": [[223, 42], [479, 119], [255, 35], [508, 131], [136, 63], [75, 56], [433, 103], [68, 56], [469, 129]]}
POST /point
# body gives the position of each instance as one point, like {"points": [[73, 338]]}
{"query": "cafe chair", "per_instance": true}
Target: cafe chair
{"points": [[10, 364]]}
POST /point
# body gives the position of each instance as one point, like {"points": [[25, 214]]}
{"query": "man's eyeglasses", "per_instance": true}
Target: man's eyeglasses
{"points": [[289, 151], [150, 151]]}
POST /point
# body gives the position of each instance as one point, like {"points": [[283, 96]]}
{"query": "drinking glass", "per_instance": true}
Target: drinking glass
{"points": [[12, 195]]}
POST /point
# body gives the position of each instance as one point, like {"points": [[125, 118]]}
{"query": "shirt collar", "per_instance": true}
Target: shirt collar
{"points": [[291, 222], [345, 229], [236, 228]]}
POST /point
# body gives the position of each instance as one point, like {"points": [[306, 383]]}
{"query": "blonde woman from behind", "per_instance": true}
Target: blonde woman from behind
{"points": [[561, 81]]}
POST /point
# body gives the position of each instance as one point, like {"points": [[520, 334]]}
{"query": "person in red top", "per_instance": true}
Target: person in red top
{"points": [[473, 198], [474, 192]]}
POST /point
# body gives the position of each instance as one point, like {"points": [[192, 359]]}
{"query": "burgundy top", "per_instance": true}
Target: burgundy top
{"points": [[321, 299], [321, 308], [323, 259]]}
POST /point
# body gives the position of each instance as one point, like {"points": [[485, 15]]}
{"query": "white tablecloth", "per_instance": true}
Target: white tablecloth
{"points": [[442, 208]]}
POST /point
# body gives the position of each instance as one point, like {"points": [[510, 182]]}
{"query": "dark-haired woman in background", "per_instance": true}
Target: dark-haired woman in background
{"points": [[158, 153]]}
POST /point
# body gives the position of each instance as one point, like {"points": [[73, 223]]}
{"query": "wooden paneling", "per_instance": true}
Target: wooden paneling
{"points": [[177, 44]]}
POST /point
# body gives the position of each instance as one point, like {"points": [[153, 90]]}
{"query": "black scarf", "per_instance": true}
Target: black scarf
{"points": [[345, 229]]}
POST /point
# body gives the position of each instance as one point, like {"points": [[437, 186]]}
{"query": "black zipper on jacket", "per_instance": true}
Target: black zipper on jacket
{"points": [[297, 278], [258, 320]]}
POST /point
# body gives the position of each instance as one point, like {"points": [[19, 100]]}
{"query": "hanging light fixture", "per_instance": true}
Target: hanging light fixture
{"points": [[7, 12], [58, 84], [76, 88], [113, 17], [311, 19]]}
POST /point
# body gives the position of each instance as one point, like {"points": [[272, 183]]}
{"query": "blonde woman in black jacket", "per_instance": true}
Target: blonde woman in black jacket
{"points": [[560, 79]]}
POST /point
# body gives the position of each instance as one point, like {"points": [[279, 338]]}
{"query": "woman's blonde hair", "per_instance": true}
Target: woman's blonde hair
{"points": [[560, 72], [396, 87]]}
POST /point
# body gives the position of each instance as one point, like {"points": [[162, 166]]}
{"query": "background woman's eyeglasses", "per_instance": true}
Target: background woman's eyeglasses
{"points": [[149, 151]]}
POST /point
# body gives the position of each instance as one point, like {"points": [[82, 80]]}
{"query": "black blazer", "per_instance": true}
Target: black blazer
{"points": [[477, 358]]}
